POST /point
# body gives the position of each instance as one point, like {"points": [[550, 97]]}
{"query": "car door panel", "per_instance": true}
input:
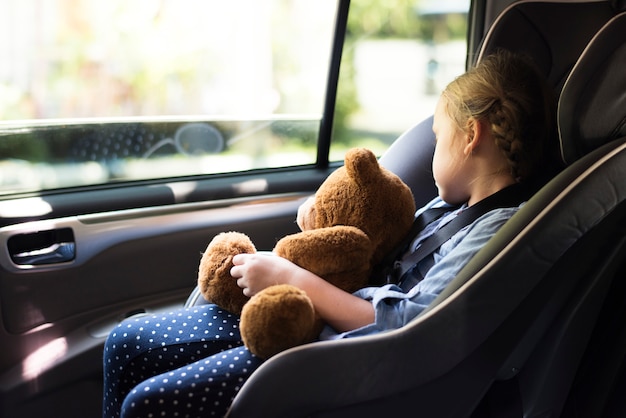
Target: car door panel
{"points": [[56, 315], [151, 251]]}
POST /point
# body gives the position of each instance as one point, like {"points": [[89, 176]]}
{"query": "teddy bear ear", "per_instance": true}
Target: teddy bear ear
{"points": [[361, 165]]}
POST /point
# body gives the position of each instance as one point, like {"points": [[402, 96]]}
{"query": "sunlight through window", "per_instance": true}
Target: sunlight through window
{"points": [[42, 358]]}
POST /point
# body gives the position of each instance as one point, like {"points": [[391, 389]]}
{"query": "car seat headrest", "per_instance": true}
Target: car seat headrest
{"points": [[592, 105], [528, 27]]}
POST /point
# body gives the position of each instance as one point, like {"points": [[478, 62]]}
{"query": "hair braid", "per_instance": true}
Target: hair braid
{"points": [[504, 127]]}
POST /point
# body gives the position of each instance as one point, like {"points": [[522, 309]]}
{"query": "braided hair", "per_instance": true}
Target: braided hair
{"points": [[508, 92]]}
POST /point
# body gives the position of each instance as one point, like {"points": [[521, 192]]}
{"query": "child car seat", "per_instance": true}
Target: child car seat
{"points": [[522, 310]]}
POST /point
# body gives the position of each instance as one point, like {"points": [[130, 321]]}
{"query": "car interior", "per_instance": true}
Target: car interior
{"points": [[545, 340], [486, 334]]}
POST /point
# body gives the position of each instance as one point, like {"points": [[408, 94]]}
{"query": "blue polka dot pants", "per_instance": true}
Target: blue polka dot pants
{"points": [[186, 363]]}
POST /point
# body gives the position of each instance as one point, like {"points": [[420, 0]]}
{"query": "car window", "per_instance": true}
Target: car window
{"points": [[101, 92], [95, 92], [398, 56]]}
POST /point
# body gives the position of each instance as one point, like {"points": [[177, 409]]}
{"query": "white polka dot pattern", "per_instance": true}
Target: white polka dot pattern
{"points": [[187, 363]]}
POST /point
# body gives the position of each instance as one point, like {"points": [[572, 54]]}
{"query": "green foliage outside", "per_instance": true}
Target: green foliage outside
{"points": [[384, 19]]}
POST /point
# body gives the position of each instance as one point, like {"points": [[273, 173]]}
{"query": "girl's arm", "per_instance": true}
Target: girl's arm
{"points": [[339, 309]]}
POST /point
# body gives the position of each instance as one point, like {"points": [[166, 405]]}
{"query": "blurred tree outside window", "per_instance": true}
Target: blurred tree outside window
{"points": [[95, 91], [398, 56], [117, 58]]}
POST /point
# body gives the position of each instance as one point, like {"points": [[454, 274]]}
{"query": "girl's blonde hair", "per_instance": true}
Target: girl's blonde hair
{"points": [[507, 91]]}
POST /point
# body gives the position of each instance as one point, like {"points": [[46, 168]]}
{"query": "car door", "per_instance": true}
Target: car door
{"points": [[133, 132]]}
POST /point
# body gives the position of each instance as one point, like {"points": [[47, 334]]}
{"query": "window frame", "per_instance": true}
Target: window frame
{"points": [[124, 195], [79, 200]]}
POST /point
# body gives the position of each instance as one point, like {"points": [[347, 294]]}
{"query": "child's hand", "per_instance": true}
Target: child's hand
{"points": [[341, 310], [255, 272]]}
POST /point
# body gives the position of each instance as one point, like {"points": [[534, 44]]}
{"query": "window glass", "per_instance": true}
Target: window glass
{"points": [[95, 91], [398, 56]]}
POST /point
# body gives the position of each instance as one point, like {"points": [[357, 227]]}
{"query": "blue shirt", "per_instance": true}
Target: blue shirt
{"points": [[397, 305]]}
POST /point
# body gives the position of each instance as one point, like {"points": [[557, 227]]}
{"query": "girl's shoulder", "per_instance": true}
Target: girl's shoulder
{"points": [[495, 218]]}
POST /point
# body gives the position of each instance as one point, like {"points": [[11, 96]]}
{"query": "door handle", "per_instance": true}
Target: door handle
{"points": [[43, 247], [56, 253]]}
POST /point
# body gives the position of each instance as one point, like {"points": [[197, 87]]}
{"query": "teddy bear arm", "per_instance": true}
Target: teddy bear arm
{"points": [[338, 251]]}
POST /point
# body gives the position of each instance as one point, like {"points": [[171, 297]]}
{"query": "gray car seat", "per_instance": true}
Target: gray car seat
{"points": [[521, 311], [527, 26]]}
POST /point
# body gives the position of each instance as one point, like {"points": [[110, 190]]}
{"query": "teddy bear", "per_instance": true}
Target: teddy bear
{"points": [[360, 213]]}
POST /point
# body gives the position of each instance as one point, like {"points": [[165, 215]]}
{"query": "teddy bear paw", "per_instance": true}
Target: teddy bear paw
{"points": [[214, 279], [278, 318]]}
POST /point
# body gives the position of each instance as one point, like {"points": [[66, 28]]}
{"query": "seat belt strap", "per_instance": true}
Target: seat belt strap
{"points": [[508, 197], [384, 268]]}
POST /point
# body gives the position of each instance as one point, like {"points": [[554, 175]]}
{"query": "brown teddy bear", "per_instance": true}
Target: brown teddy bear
{"points": [[359, 214]]}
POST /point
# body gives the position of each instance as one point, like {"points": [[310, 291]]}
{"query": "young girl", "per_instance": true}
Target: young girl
{"points": [[494, 128]]}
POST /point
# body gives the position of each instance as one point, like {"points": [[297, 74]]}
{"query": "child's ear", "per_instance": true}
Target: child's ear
{"points": [[474, 135]]}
